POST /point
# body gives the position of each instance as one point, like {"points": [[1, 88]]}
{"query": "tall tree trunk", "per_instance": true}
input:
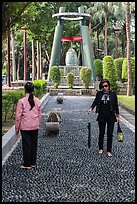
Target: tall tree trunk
{"points": [[8, 59], [18, 75], [38, 61], [13, 57], [129, 86], [124, 40], [47, 57], [98, 43], [33, 61], [106, 33]]}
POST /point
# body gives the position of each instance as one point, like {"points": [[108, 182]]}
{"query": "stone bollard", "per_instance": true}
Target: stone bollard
{"points": [[60, 98], [53, 123]]}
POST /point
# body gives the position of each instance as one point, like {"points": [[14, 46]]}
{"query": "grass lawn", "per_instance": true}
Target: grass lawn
{"points": [[127, 100]]}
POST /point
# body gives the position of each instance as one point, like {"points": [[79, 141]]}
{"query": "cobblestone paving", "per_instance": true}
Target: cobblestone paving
{"points": [[67, 170]]}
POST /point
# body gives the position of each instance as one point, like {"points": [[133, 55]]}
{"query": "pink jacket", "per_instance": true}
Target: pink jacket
{"points": [[27, 119]]}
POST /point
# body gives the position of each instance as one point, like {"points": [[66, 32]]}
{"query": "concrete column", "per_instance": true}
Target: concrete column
{"points": [[87, 50], [56, 46], [82, 22]]}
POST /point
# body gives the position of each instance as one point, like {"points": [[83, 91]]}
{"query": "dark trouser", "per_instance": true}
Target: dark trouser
{"points": [[29, 146], [110, 128]]}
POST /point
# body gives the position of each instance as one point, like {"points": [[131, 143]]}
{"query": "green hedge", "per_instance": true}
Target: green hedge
{"points": [[98, 65], [39, 87], [124, 69], [55, 75], [70, 79], [85, 76], [11, 98], [9, 102], [109, 71], [118, 64]]}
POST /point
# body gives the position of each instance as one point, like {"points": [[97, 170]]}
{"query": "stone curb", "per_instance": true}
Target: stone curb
{"points": [[9, 139], [129, 110]]}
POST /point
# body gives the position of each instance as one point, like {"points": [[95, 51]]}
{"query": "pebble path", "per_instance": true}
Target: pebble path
{"points": [[67, 170]]}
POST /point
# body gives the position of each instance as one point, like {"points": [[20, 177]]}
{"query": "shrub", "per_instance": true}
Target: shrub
{"points": [[70, 79], [39, 87], [85, 76], [55, 75], [98, 64], [9, 102], [6, 105], [109, 71], [124, 69], [118, 64]]}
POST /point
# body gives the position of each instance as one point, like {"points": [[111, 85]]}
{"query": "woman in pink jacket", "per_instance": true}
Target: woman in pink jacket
{"points": [[28, 118]]}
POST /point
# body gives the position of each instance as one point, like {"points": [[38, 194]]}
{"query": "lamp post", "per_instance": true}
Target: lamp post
{"points": [[116, 30], [25, 62]]}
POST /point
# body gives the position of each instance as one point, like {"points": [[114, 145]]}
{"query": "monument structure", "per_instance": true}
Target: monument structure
{"points": [[86, 49]]}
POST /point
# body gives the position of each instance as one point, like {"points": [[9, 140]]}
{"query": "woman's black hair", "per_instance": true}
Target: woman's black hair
{"points": [[102, 82], [29, 88]]}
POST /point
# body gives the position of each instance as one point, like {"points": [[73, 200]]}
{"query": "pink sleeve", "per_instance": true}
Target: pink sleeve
{"points": [[18, 115], [40, 113]]}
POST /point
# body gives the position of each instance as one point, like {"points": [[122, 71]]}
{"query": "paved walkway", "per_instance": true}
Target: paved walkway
{"points": [[67, 170], [128, 116]]}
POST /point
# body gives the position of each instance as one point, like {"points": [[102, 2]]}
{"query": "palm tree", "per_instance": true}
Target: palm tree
{"points": [[128, 17], [100, 11]]}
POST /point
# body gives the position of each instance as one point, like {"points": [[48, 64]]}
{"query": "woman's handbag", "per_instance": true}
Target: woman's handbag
{"points": [[120, 136]]}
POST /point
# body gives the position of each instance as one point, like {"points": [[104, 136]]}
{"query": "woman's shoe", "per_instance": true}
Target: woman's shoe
{"points": [[109, 154], [25, 167], [100, 151]]}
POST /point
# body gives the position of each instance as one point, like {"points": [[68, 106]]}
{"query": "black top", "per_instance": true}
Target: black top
{"points": [[106, 106]]}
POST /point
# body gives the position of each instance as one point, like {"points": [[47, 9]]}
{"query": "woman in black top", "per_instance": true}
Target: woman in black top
{"points": [[108, 113]]}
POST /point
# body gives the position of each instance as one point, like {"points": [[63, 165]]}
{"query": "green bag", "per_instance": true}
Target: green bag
{"points": [[120, 136]]}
